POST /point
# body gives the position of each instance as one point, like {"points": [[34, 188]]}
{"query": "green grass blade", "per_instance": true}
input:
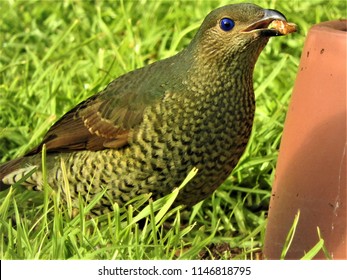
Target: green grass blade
{"points": [[290, 236]]}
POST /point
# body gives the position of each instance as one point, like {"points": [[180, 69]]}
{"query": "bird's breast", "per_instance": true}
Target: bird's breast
{"points": [[209, 132], [198, 130]]}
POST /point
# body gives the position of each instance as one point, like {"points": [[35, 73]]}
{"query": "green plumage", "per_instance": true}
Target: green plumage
{"points": [[150, 127]]}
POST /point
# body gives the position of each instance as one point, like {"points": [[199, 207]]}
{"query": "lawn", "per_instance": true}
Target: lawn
{"points": [[55, 54]]}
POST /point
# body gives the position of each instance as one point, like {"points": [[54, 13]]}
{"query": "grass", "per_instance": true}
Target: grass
{"points": [[54, 54]]}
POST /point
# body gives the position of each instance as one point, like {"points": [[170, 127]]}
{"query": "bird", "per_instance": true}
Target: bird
{"points": [[149, 127]]}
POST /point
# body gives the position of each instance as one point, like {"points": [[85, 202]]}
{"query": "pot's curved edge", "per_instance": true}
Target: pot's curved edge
{"points": [[338, 27]]}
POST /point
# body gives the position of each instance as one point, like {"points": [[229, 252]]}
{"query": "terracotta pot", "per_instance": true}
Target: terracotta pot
{"points": [[311, 168]]}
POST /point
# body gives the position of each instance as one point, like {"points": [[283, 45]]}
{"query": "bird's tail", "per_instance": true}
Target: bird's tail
{"points": [[6, 169]]}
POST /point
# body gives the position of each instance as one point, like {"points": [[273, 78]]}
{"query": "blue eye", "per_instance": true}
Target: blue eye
{"points": [[226, 24]]}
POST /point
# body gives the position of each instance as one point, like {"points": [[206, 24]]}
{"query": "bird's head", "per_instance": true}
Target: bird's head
{"points": [[237, 31]]}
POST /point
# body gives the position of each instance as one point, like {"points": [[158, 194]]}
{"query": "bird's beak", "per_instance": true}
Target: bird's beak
{"points": [[273, 23]]}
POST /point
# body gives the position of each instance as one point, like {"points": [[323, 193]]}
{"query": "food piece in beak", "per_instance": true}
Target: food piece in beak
{"points": [[283, 27], [273, 23]]}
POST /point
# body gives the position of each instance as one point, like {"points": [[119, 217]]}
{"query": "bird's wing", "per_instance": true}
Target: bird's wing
{"points": [[102, 121]]}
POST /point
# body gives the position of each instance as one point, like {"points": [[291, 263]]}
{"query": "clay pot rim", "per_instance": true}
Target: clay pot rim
{"points": [[339, 27]]}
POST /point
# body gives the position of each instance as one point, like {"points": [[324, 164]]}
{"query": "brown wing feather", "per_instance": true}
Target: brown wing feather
{"points": [[107, 119], [72, 133], [86, 127]]}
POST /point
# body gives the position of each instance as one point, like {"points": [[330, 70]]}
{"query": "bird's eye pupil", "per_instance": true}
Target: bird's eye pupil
{"points": [[226, 24]]}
